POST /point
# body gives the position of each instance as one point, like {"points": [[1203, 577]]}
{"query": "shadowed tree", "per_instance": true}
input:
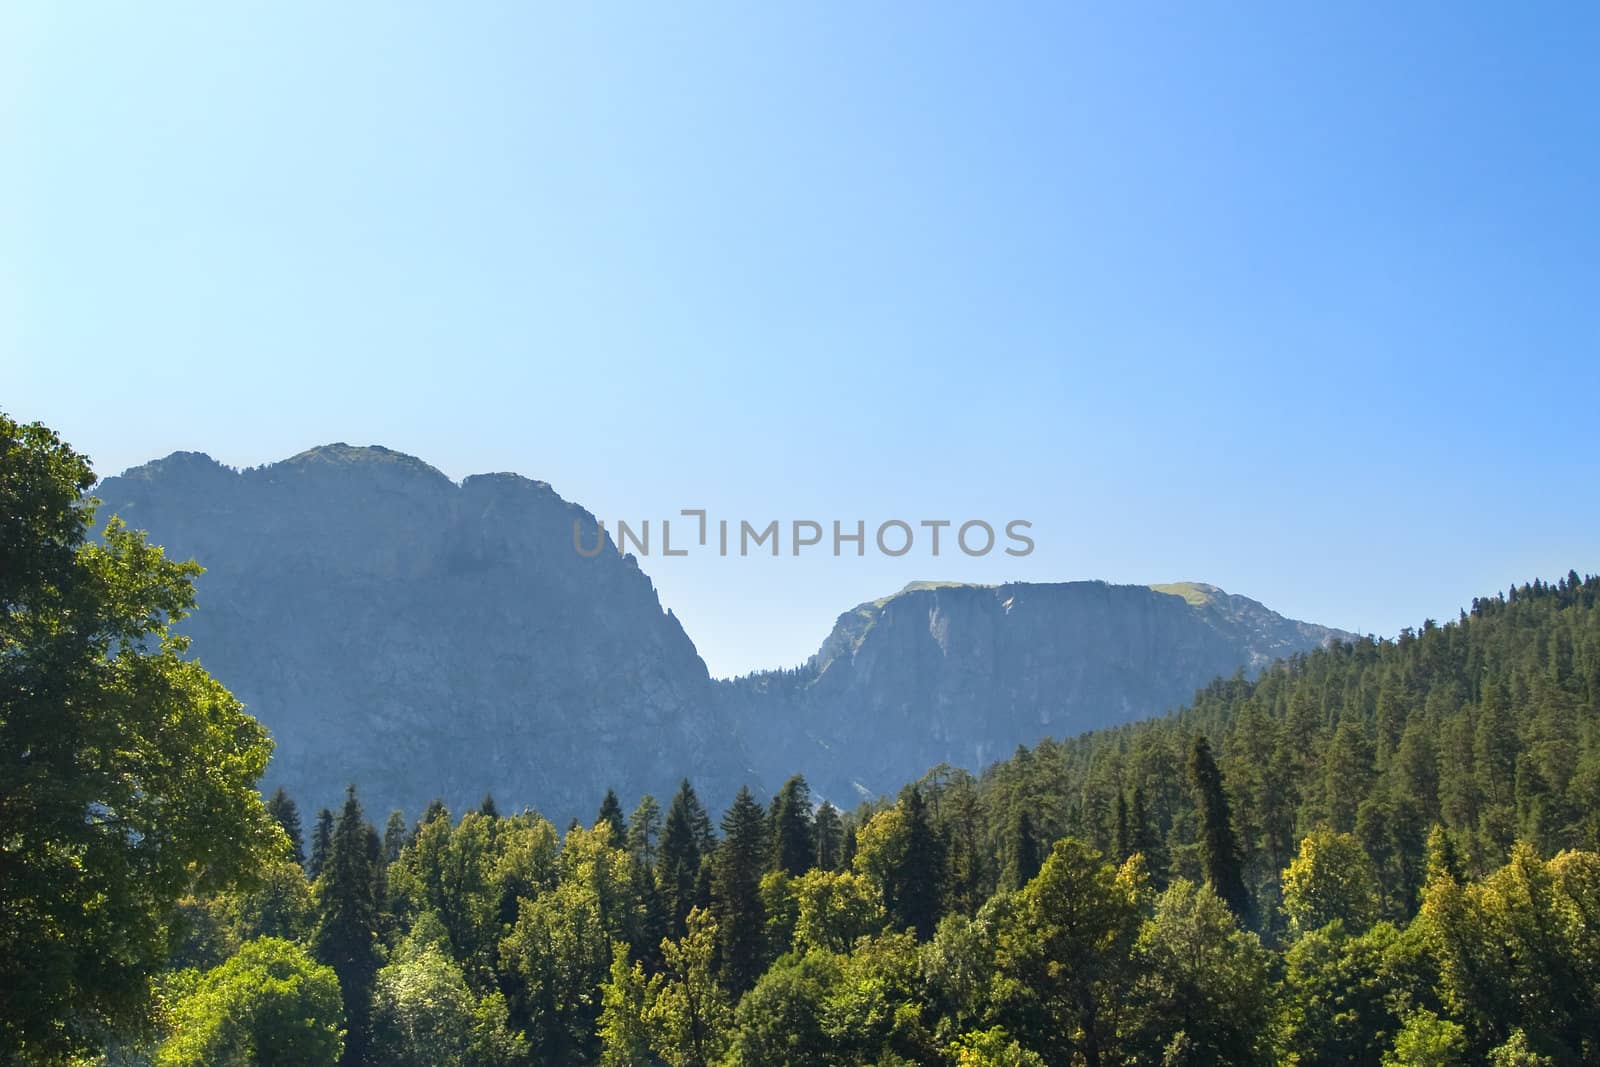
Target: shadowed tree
{"points": [[1219, 847]]}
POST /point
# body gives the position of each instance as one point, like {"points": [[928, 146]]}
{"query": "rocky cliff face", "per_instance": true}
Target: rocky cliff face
{"points": [[963, 674], [421, 638]]}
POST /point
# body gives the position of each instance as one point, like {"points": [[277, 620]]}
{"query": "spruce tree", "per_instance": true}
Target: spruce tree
{"points": [[1122, 840], [1219, 846], [283, 810], [434, 810], [1444, 863], [488, 807], [321, 842], [395, 836], [679, 864], [1026, 857], [794, 844], [1142, 832], [611, 812], [349, 912], [916, 894], [644, 830], [736, 891], [830, 837]]}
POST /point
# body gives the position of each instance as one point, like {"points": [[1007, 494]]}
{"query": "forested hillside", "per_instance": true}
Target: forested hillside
{"points": [[1382, 853], [1488, 726]]}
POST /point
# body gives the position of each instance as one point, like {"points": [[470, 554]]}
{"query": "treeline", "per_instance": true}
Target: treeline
{"points": [[793, 937]]}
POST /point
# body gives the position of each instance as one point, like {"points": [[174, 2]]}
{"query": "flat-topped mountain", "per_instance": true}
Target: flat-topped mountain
{"points": [[424, 638], [946, 672]]}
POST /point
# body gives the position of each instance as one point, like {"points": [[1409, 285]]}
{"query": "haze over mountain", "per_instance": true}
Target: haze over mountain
{"points": [[424, 638]]}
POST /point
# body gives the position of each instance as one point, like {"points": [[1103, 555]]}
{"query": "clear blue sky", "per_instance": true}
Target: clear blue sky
{"points": [[1302, 300]]}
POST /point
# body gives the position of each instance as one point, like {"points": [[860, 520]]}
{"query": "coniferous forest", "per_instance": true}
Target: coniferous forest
{"points": [[1383, 852]]}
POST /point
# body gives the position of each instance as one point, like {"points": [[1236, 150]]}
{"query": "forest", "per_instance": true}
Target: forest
{"points": [[1384, 852]]}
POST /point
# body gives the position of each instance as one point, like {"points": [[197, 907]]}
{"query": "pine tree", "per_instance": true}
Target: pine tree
{"points": [[830, 837], [1444, 863], [488, 806], [321, 842], [434, 810], [349, 911], [1143, 832], [611, 812], [1223, 860], [282, 808], [1122, 842], [794, 844], [918, 890], [395, 836], [644, 830], [1026, 857], [679, 863], [736, 891]]}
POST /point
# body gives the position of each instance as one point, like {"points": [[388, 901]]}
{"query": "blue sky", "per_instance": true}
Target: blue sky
{"points": [[1296, 299]]}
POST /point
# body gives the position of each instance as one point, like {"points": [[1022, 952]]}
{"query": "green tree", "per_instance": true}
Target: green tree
{"points": [[611, 812], [834, 909], [350, 902], [1518, 950], [1427, 1041], [1064, 954], [830, 837], [736, 892], [690, 1015], [1341, 994], [784, 1019], [902, 853], [424, 1014], [269, 1006], [1330, 880], [395, 835], [992, 1048], [644, 830], [685, 838], [321, 844], [794, 847], [104, 722], [1024, 851], [450, 870], [624, 1000], [1201, 977], [1220, 852], [283, 811], [559, 951]]}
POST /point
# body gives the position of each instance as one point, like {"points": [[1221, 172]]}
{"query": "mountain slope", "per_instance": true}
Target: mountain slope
{"points": [[944, 672], [421, 638]]}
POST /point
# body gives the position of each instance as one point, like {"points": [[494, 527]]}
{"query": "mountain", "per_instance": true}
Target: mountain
{"points": [[422, 638], [963, 674]]}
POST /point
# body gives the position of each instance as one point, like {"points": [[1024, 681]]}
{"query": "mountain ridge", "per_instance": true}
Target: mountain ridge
{"points": [[356, 593]]}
